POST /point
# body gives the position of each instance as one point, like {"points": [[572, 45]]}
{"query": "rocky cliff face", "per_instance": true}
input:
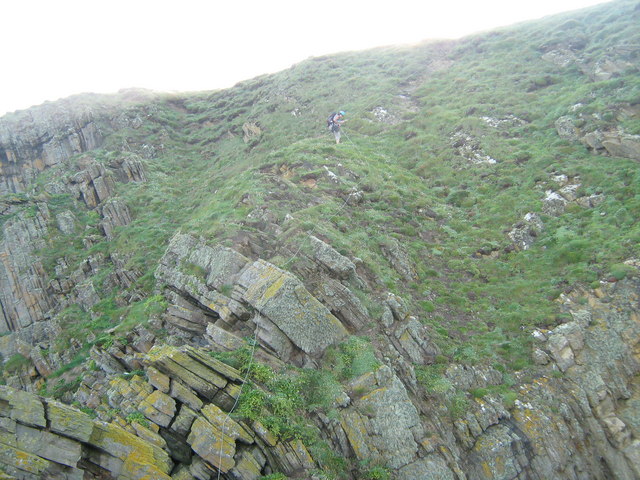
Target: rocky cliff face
{"points": [[137, 342], [575, 418], [39, 138]]}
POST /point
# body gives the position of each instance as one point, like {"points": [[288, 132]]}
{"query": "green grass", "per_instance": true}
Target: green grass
{"points": [[417, 189], [16, 363]]}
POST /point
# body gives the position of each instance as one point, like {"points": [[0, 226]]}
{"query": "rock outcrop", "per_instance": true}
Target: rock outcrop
{"points": [[286, 317], [33, 140], [23, 288], [622, 145], [41, 438], [524, 233], [262, 347], [178, 427]]}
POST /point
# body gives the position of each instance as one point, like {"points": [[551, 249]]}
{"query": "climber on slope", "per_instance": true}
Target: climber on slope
{"points": [[334, 121]]}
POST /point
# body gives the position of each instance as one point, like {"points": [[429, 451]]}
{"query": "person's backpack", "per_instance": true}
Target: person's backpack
{"points": [[330, 119]]}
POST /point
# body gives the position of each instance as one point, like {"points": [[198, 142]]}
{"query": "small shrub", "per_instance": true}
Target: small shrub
{"points": [[457, 405], [354, 358], [195, 270], [427, 306], [16, 363], [320, 389], [441, 359], [137, 417], [479, 392], [509, 398], [620, 271], [63, 388], [574, 251], [226, 289], [252, 403], [377, 473], [89, 411]]}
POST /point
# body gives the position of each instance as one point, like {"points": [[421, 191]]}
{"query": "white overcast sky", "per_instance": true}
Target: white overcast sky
{"points": [[55, 48]]}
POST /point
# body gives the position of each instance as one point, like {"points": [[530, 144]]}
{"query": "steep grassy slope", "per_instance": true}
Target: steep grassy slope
{"points": [[418, 188], [448, 145]]}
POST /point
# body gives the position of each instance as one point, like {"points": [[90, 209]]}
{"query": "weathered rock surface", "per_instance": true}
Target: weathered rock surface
{"points": [[41, 137], [23, 288], [383, 422], [287, 319], [92, 185], [584, 411], [399, 259], [553, 203], [129, 168], [251, 132], [622, 145], [184, 401], [470, 149], [343, 304], [566, 128], [336, 263], [524, 233], [40, 438], [282, 298], [164, 402], [115, 213]]}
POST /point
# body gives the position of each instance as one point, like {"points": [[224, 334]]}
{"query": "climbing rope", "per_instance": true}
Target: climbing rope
{"points": [[254, 341]]}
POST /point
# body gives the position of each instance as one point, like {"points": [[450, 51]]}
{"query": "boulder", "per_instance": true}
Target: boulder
{"points": [[593, 140], [608, 67], [383, 422], [524, 233], [333, 261], [115, 213], [196, 376], [566, 128], [399, 259], [283, 299], [159, 408], [196, 271], [213, 437], [343, 304], [69, 422], [622, 145], [562, 57], [93, 185], [66, 222], [129, 168], [251, 131], [48, 446], [22, 407], [413, 339], [127, 447], [591, 201], [553, 203]]}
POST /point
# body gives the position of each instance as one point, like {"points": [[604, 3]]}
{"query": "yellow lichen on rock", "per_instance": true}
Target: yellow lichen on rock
{"points": [[22, 460], [274, 287], [136, 467], [354, 426], [208, 442], [121, 444]]}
